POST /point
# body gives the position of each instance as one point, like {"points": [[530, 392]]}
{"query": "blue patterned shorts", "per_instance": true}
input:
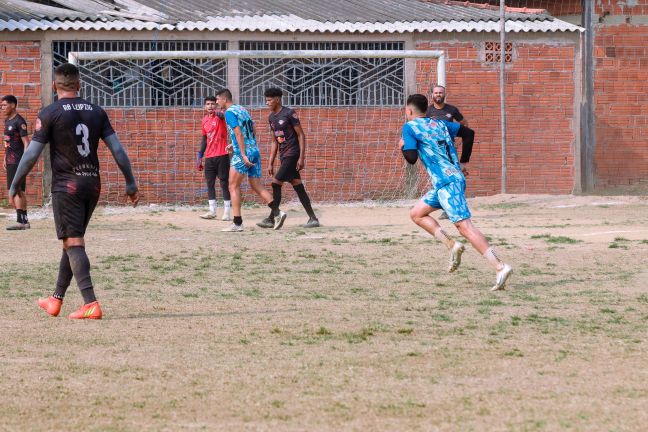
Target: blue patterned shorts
{"points": [[254, 156], [451, 199]]}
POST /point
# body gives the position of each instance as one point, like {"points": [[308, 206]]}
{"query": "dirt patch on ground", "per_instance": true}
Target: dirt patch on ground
{"points": [[352, 326]]}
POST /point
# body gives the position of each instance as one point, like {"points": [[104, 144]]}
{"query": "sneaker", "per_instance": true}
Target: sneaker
{"points": [[443, 215], [87, 311], [233, 228], [208, 215], [51, 305], [502, 277], [455, 256], [279, 220], [18, 226], [266, 223], [227, 214], [312, 223]]}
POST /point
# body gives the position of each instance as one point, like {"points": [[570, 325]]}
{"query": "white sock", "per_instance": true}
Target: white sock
{"points": [[212, 206], [444, 238], [228, 204], [493, 259]]}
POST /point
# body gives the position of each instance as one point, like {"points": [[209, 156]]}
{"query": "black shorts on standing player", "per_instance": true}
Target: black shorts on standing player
{"points": [[289, 140]]}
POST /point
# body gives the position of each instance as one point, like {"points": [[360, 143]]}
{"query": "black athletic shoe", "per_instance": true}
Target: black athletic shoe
{"points": [[266, 223], [312, 223]]}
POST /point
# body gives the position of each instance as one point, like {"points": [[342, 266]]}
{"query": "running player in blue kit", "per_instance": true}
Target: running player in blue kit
{"points": [[430, 140]]}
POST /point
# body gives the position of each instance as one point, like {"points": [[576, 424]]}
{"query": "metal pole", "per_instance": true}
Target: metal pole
{"points": [[502, 83]]}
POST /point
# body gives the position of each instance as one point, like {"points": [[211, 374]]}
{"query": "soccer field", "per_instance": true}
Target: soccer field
{"points": [[352, 326]]}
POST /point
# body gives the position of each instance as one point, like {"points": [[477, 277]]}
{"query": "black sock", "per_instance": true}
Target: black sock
{"points": [[80, 265], [24, 215], [276, 198], [64, 277], [19, 216], [238, 220], [304, 199]]}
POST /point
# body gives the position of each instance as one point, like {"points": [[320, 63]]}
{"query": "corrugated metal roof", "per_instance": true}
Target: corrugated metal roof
{"points": [[332, 16]]}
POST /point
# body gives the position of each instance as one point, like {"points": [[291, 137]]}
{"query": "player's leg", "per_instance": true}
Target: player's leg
{"points": [[305, 201], [235, 180], [52, 304], [470, 232], [74, 244], [420, 215], [18, 202], [453, 201], [254, 177], [223, 178], [269, 222], [210, 178]]}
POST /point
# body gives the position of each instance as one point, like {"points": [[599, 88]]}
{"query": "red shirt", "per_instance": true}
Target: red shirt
{"points": [[215, 129]]}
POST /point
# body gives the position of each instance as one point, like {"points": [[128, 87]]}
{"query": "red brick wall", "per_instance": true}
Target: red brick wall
{"points": [[554, 7], [621, 95], [540, 113], [352, 153], [20, 76]]}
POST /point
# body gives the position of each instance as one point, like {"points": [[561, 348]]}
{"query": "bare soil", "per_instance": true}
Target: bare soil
{"points": [[352, 326]]}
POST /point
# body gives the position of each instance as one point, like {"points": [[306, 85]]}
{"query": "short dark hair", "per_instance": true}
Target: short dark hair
{"points": [[438, 85], [10, 99], [273, 92], [225, 93], [66, 76], [210, 99], [418, 101]]}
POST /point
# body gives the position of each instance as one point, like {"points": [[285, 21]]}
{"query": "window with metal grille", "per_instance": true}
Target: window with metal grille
{"points": [[148, 82], [324, 82], [493, 52]]}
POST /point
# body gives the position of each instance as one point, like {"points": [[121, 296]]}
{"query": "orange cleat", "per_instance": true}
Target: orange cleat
{"points": [[51, 305], [87, 311]]}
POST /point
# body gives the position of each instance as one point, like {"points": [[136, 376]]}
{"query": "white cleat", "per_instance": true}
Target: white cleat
{"points": [[443, 215], [233, 228], [208, 215], [502, 277], [279, 220], [227, 214], [455, 256]]}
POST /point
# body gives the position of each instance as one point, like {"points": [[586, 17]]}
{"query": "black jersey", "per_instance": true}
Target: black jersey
{"points": [[15, 129], [73, 126], [283, 127], [448, 112]]}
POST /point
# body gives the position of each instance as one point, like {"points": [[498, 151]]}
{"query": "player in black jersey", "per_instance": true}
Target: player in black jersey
{"points": [[73, 126], [15, 141], [289, 139]]}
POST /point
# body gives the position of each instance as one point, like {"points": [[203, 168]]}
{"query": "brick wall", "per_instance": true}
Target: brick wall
{"points": [[540, 113], [554, 7], [20, 76], [351, 151], [621, 94]]}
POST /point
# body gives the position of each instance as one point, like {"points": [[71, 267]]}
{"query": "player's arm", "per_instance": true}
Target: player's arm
{"points": [[467, 136], [301, 138], [274, 148], [460, 118], [120, 156], [409, 145], [27, 162], [240, 141], [201, 153]]}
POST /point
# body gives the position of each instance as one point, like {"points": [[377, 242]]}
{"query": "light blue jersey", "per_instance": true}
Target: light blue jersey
{"points": [[235, 116], [435, 145]]}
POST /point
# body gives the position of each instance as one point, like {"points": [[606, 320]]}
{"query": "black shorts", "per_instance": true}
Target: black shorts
{"points": [[72, 213], [288, 169], [11, 173], [217, 166]]}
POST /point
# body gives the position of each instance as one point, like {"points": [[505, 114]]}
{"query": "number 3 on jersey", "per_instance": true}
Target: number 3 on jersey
{"points": [[82, 130]]}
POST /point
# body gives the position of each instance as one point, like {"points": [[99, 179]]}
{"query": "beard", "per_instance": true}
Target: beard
{"points": [[439, 99]]}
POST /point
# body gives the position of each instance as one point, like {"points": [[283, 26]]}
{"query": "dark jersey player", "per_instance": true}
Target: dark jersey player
{"points": [[73, 126], [15, 142], [213, 151], [289, 140]]}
